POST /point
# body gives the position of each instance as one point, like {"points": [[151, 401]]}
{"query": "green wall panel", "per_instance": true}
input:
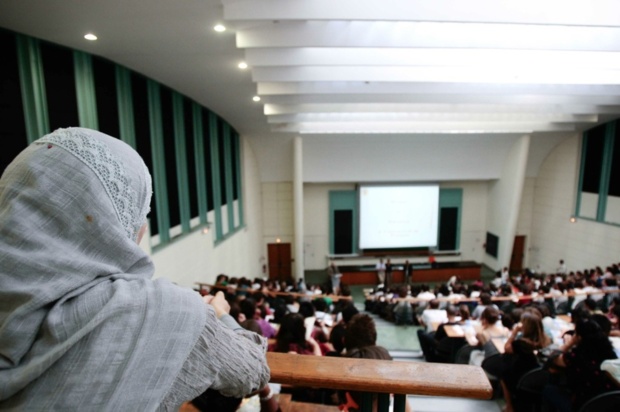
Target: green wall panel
{"points": [[85, 89], [159, 162], [32, 83], [181, 162], [343, 200], [36, 119], [215, 174]]}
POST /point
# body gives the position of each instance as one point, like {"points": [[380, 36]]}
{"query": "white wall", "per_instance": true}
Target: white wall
{"points": [[316, 223], [398, 158], [275, 157], [277, 216], [473, 218], [583, 244], [526, 216], [504, 203], [194, 258]]}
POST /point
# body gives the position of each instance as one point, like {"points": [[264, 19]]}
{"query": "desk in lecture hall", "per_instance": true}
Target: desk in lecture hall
{"points": [[442, 272], [565, 318]]}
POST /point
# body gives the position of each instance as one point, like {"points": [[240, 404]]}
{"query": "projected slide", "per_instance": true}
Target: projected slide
{"points": [[398, 216]]}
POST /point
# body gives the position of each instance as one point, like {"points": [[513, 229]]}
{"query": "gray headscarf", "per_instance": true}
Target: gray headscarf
{"points": [[81, 321]]}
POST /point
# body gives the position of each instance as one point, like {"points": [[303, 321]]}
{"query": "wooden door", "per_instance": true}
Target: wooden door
{"points": [[518, 254], [279, 260]]}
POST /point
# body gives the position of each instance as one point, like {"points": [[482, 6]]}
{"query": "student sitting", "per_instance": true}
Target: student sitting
{"points": [[520, 355], [360, 341], [432, 316], [580, 361]]}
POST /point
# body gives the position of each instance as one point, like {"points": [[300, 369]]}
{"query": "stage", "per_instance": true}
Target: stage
{"points": [[422, 272]]}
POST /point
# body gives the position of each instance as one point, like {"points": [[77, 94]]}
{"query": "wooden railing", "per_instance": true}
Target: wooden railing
{"points": [[274, 293], [370, 376], [514, 298]]}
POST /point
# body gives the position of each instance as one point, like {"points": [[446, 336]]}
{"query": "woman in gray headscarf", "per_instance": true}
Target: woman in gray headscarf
{"points": [[82, 325]]}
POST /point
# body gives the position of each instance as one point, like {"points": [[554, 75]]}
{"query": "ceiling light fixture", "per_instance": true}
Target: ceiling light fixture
{"points": [[90, 36], [256, 98], [219, 28], [243, 65]]}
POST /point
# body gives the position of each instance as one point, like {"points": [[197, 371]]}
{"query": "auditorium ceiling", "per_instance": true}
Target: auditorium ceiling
{"points": [[352, 67]]}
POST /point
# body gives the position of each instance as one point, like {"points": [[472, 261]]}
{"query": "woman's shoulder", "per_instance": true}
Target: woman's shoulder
{"points": [[370, 352], [523, 344]]}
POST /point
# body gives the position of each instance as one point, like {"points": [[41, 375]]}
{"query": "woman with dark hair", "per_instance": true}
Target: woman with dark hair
{"points": [[291, 337], [251, 311], [361, 342], [361, 335], [519, 357], [490, 328], [580, 360], [485, 302], [614, 318]]}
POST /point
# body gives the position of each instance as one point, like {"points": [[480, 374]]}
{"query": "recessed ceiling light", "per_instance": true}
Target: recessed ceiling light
{"points": [[256, 98], [219, 28], [243, 65], [90, 36]]}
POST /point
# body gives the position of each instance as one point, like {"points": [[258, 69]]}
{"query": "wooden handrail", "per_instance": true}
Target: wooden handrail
{"points": [[514, 298], [273, 293], [380, 376]]}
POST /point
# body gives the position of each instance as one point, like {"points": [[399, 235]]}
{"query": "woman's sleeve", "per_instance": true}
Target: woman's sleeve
{"points": [[226, 358]]}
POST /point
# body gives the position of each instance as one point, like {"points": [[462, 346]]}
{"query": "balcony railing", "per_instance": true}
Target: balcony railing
{"points": [[381, 377]]}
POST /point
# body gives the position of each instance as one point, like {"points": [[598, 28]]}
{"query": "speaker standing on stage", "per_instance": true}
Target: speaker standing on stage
{"points": [[388, 273], [380, 272], [407, 272]]}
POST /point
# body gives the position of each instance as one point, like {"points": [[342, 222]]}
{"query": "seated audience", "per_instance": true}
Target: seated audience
{"points": [[437, 346], [432, 316], [485, 301], [361, 342], [403, 312], [580, 362], [464, 313], [520, 355], [490, 328], [252, 312], [291, 337], [614, 318]]}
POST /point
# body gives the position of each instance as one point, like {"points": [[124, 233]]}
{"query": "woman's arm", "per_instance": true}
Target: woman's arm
{"points": [[570, 343], [513, 335], [267, 402], [233, 357], [316, 349], [472, 337]]}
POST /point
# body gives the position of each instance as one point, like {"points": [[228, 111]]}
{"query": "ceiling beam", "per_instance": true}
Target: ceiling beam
{"points": [[433, 116], [562, 12], [281, 109], [374, 56], [533, 74], [429, 35], [346, 87], [531, 99], [419, 127]]}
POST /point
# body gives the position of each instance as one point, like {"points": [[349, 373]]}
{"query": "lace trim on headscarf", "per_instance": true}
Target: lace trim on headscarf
{"points": [[108, 169]]}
